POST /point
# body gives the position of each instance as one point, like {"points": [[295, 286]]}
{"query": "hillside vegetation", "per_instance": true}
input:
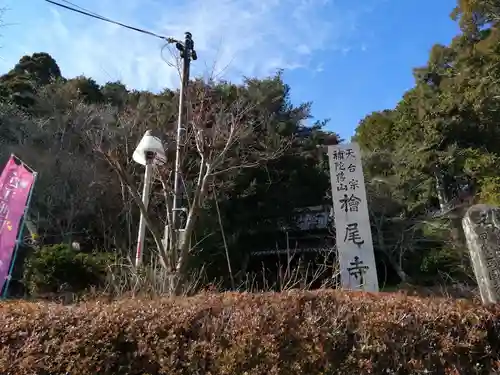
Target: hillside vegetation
{"points": [[426, 160]]}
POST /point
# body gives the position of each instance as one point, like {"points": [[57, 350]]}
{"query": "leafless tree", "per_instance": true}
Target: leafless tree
{"points": [[222, 138]]}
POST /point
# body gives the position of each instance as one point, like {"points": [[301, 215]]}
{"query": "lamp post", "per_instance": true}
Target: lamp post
{"points": [[149, 151]]}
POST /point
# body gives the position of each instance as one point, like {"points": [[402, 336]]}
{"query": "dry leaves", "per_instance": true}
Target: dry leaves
{"points": [[324, 332]]}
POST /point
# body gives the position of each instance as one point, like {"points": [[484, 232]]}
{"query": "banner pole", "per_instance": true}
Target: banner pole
{"points": [[20, 235], [23, 163]]}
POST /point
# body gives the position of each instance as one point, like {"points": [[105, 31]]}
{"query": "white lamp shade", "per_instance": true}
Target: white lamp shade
{"points": [[149, 143]]}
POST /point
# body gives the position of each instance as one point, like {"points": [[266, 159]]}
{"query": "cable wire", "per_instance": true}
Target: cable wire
{"points": [[75, 8], [81, 8]]}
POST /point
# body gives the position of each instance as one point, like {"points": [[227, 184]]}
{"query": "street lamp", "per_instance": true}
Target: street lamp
{"points": [[149, 151]]}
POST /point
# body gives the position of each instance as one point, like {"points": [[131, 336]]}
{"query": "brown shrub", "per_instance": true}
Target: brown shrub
{"points": [[323, 332]]}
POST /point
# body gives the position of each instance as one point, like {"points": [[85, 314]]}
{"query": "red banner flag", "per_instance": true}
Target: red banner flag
{"points": [[15, 185]]}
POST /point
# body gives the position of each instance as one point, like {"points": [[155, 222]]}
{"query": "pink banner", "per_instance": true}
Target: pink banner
{"points": [[15, 186]]}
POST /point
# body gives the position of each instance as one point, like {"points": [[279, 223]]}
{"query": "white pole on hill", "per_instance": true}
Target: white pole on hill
{"points": [[187, 54]]}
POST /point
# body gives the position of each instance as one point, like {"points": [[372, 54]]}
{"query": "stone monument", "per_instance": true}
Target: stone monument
{"points": [[481, 225]]}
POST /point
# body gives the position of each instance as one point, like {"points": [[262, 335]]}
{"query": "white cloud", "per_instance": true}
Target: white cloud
{"points": [[242, 37]]}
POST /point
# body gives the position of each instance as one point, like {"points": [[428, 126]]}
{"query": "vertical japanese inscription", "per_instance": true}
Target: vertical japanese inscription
{"points": [[491, 260], [354, 240], [350, 203], [352, 234], [344, 164], [358, 270], [6, 192]]}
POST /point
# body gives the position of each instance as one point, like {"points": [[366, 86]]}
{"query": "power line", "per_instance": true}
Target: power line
{"points": [[75, 8], [81, 8]]}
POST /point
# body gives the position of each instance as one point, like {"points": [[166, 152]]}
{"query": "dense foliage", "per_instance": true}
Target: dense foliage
{"points": [[426, 160], [438, 149], [53, 269], [69, 130]]}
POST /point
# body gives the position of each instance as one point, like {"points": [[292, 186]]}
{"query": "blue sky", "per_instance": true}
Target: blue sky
{"points": [[349, 57]]}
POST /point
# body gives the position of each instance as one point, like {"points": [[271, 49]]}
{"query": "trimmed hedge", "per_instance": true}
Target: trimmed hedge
{"points": [[323, 332]]}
